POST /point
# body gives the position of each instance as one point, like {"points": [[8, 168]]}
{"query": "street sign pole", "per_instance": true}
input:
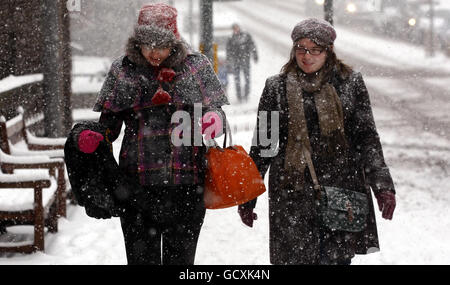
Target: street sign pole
{"points": [[430, 45], [191, 26], [206, 28], [328, 11]]}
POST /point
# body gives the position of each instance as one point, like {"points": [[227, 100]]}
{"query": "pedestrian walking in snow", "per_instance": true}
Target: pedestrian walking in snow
{"points": [[222, 73], [158, 77], [240, 46], [324, 110]]}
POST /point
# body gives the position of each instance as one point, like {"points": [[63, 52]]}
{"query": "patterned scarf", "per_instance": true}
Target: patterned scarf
{"points": [[331, 122]]}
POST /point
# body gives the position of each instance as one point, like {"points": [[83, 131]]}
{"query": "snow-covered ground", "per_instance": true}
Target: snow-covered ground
{"points": [[418, 158]]}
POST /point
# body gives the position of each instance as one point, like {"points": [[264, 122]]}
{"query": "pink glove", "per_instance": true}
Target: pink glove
{"points": [[247, 215], [88, 141], [386, 204], [211, 119]]}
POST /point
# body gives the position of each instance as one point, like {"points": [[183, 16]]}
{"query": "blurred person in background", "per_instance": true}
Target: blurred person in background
{"points": [[240, 47]]}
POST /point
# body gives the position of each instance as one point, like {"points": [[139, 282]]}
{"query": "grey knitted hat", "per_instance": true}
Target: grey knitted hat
{"points": [[319, 31]]}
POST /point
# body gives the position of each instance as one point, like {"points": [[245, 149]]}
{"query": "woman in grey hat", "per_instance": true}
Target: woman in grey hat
{"points": [[325, 114]]}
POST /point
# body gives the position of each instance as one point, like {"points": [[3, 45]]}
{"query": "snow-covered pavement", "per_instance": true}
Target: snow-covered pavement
{"points": [[412, 120]]}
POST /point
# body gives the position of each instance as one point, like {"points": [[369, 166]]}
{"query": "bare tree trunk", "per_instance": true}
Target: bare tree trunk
{"points": [[54, 86], [67, 69]]}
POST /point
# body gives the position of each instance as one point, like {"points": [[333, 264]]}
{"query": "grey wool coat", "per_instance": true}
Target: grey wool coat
{"points": [[295, 235]]}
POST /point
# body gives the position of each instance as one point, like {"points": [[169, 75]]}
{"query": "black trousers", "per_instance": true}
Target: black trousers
{"points": [[166, 230], [237, 79]]}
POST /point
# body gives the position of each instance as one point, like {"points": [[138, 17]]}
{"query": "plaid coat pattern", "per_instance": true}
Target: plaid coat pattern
{"points": [[147, 151]]}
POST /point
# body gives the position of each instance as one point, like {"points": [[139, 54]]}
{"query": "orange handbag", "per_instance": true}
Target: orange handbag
{"points": [[232, 177]]}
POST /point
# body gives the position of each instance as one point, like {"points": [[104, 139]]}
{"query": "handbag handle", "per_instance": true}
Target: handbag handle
{"points": [[307, 155], [227, 131]]}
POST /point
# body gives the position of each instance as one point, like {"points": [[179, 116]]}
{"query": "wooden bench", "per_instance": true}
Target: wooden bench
{"points": [[17, 140], [28, 199], [23, 130]]}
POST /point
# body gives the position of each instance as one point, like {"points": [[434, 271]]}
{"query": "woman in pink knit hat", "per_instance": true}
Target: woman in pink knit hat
{"points": [[157, 77]]}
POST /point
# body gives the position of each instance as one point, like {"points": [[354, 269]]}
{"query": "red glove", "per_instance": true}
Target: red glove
{"points": [[88, 141], [161, 97], [209, 119], [386, 203], [166, 75], [247, 215]]}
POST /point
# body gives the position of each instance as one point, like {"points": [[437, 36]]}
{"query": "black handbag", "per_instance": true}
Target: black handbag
{"points": [[338, 208]]}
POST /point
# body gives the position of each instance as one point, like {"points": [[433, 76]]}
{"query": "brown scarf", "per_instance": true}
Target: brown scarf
{"points": [[331, 122]]}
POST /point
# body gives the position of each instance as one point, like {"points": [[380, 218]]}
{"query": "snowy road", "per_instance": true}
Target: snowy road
{"points": [[386, 61], [410, 96]]}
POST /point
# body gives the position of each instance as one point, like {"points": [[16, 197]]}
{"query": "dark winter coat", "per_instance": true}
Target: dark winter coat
{"points": [[147, 153], [239, 49], [294, 231], [97, 183]]}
